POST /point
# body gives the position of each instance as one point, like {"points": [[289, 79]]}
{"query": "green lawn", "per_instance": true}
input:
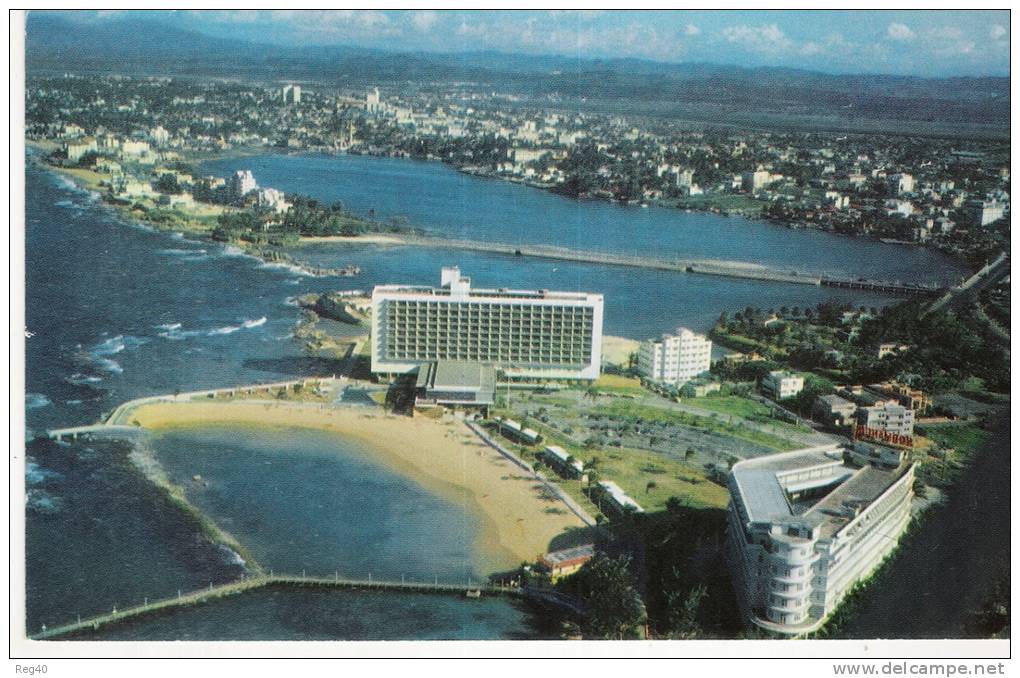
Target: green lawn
{"points": [[735, 405], [632, 470], [623, 409], [615, 383], [963, 440], [741, 407]]}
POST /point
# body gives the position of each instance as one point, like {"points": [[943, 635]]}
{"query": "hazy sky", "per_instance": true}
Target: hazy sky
{"points": [[917, 42]]}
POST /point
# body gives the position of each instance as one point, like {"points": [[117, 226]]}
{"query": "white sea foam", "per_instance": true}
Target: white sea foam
{"points": [[79, 379], [36, 474], [108, 365], [176, 333], [42, 501], [173, 252], [115, 345], [231, 556], [34, 401], [169, 326]]}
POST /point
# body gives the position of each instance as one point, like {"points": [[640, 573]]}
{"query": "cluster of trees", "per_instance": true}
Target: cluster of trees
{"points": [[306, 217], [676, 558]]}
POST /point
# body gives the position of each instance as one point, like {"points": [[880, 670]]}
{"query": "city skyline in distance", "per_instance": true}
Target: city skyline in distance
{"points": [[913, 42]]}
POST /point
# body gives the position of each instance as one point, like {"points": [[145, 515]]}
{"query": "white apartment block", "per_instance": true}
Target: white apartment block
{"points": [[888, 416], [527, 334], [242, 182], [900, 183], [675, 359], [780, 384], [805, 526]]}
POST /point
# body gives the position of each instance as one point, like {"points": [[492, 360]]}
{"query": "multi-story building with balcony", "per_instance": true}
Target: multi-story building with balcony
{"points": [[805, 526], [675, 359], [535, 335]]}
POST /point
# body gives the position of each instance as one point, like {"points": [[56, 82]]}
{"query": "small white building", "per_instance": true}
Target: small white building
{"points": [[675, 359], [780, 384], [618, 498], [900, 184]]}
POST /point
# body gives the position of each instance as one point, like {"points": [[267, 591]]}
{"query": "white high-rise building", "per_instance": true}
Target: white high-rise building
{"points": [[526, 334], [805, 526], [242, 182], [675, 359], [291, 94]]}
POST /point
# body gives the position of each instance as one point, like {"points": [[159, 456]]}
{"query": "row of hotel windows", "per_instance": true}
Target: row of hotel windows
{"points": [[559, 357]]}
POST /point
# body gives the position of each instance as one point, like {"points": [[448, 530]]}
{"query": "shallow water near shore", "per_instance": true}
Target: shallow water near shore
{"points": [[303, 501]]}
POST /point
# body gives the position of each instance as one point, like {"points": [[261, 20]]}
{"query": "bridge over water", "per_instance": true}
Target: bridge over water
{"points": [[728, 269]]}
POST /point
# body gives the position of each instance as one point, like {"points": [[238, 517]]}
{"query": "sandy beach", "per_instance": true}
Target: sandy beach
{"points": [[519, 522]]}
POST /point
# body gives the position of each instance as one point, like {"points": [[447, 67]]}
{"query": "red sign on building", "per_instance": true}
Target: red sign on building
{"points": [[877, 435]]}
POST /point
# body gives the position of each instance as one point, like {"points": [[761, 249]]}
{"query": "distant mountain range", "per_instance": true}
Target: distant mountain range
{"points": [[695, 90]]}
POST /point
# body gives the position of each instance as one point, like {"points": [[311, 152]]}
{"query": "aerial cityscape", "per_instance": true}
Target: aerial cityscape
{"points": [[412, 325]]}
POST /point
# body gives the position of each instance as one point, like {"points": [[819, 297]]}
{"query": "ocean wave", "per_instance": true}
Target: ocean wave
{"points": [[34, 401], [167, 327], [232, 557], [180, 237], [65, 203], [41, 501], [293, 269], [36, 474], [292, 281], [73, 402], [79, 379], [115, 345], [177, 333], [109, 365], [178, 252]]}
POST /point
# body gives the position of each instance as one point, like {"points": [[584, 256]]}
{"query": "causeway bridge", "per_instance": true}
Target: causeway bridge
{"points": [[966, 292], [728, 269], [467, 589]]}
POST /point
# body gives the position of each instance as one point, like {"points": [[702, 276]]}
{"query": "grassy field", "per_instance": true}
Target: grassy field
{"points": [[658, 414], [960, 443], [632, 470], [615, 383], [743, 407]]}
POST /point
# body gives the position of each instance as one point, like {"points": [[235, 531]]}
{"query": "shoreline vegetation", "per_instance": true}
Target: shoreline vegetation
{"points": [[202, 219], [518, 520]]}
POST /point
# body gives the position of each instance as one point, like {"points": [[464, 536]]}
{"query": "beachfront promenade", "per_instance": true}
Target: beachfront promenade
{"points": [[728, 269], [467, 589]]}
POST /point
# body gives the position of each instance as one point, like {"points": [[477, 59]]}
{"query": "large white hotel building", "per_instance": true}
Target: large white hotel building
{"points": [[805, 526], [537, 334]]}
